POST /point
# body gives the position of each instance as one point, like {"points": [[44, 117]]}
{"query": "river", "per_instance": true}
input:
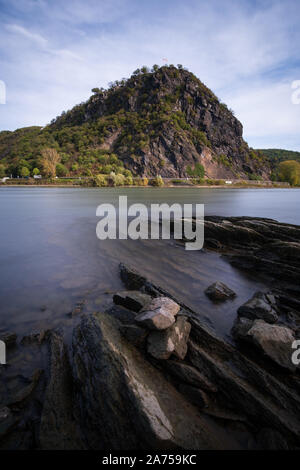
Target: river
{"points": [[51, 259]]}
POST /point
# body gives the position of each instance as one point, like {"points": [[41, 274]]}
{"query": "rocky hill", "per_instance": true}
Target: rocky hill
{"points": [[164, 121]]}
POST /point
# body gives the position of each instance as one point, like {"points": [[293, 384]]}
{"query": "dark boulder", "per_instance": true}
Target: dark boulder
{"points": [[133, 300], [261, 306], [219, 291]]}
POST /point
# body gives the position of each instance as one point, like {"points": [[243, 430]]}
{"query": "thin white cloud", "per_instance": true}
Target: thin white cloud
{"points": [[41, 42], [37, 38]]}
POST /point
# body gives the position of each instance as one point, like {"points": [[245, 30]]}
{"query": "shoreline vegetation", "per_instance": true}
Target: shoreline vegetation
{"points": [[102, 181]]}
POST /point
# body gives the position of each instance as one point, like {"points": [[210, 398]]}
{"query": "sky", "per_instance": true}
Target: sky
{"points": [[53, 52]]}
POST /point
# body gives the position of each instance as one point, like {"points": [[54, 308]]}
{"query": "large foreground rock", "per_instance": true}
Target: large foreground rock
{"points": [[123, 402]]}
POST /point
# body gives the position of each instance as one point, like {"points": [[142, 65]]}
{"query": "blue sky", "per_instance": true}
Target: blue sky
{"points": [[52, 52]]}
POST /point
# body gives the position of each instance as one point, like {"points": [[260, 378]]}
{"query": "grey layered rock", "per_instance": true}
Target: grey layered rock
{"points": [[133, 300], [195, 395], [131, 278], [241, 327], [7, 421], [275, 341], [26, 392], [160, 314], [190, 375], [58, 429], [123, 402], [260, 306], [219, 291], [134, 334], [162, 344]]}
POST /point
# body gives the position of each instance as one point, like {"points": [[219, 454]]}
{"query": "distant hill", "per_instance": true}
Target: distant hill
{"points": [[164, 121], [279, 155]]}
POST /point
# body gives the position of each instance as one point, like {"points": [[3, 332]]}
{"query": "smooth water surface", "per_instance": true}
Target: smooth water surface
{"points": [[50, 257]]}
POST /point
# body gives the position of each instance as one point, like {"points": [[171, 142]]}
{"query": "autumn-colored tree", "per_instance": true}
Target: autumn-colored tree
{"points": [[50, 158], [290, 171]]}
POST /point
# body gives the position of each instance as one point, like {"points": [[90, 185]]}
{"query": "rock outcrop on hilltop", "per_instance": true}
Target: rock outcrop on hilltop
{"points": [[164, 121]]}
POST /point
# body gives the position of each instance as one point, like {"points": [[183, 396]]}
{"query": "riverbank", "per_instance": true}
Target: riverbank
{"points": [[224, 186]]}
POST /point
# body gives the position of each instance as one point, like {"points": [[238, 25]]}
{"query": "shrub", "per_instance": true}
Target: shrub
{"points": [[157, 181], [128, 180], [198, 170], [141, 181], [61, 170], [100, 181], [119, 180]]}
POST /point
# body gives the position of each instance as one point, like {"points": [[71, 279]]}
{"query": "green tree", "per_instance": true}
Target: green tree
{"points": [[2, 170], [290, 171], [24, 172], [61, 170], [35, 171]]}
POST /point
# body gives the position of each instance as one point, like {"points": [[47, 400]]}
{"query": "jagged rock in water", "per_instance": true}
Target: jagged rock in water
{"points": [[162, 344], [219, 291], [131, 278], [133, 300], [261, 306], [159, 314], [241, 327], [275, 341]]}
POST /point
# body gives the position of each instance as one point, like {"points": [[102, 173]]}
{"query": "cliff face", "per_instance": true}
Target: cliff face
{"points": [[161, 122]]}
